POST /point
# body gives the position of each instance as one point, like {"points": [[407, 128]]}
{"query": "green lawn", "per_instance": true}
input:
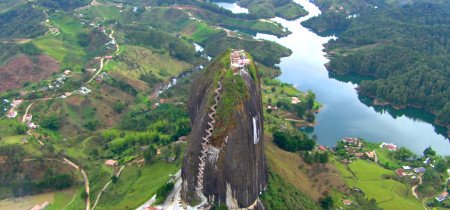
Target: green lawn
{"points": [[390, 194], [66, 24], [68, 199], [136, 185]]}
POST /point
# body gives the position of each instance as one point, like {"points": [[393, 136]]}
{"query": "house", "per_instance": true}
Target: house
{"points": [[406, 168], [28, 117], [158, 151], [347, 202], [31, 126], [351, 140], [442, 196], [162, 101], [11, 114], [427, 161], [295, 100], [420, 170], [389, 146], [400, 172], [108, 57], [67, 72], [16, 103], [370, 154], [111, 163], [322, 148]]}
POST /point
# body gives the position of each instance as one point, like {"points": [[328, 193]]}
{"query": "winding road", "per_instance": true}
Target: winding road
{"points": [[105, 187], [86, 180]]}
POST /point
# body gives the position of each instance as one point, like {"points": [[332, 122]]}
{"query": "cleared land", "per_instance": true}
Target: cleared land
{"points": [[368, 176]]}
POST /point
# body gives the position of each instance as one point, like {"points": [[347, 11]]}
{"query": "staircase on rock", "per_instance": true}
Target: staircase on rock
{"points": [[206, 139]]}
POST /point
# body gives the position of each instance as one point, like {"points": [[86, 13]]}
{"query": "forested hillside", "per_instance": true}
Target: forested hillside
{"points": [[23, 21], [404, 46]]}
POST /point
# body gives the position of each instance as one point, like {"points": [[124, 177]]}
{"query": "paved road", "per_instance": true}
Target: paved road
{"points": [[173, 199]]}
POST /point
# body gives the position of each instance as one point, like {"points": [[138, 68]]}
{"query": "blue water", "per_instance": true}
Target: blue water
{"points": [[345, 113]]}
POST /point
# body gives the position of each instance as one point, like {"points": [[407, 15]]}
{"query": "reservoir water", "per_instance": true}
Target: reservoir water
{"points": [[345, 113]]}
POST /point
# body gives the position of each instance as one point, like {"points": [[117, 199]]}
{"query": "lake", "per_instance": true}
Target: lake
{"points": [[345, 113]]}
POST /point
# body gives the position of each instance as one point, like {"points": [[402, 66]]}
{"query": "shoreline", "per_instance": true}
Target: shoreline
{"points": [[378, 102]]}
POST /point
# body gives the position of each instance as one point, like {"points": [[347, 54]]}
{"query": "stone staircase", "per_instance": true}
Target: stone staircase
{"points": [[206, 139]]}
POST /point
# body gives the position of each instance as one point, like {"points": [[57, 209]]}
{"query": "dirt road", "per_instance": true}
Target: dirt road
{"points": [[105, 187]]}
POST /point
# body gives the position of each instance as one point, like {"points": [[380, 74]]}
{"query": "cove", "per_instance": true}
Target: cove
{"points": [[345, 113]]}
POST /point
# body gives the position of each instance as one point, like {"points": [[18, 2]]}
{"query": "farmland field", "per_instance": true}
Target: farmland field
{"points": [[389, 194]]}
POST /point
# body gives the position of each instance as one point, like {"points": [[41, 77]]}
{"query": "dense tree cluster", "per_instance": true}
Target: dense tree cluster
{"points": [[22, 22], [405, 47], [293, 142], [63, 4]]}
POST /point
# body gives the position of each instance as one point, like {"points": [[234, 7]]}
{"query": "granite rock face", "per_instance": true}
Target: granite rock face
{"points": [[225, 161]]}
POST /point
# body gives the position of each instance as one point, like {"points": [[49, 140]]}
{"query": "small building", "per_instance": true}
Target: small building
{"points": [[28, 117], [109, 57], [182, 138], [420, 170], [98, 58], [16, 103], [11, 114], [351, 140], [162, 101], [370, 154], [427, 161], [442, 196], [295, 100], [400, 172], [347, 202], [322, 148], [31, 126], [406, 168], [67, 72], [389, 146], [111, 163]]}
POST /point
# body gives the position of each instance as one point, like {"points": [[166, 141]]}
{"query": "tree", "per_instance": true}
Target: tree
{"points": [[327, 202], [310, 97], [441, 166], [51, 122], [119, 106], [91, 124], [149, 154], [403, 153], [21, 129], [114, 179], [429, 152]]}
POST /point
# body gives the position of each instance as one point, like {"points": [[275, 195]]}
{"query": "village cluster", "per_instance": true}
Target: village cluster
{"points": [[354, 148]]}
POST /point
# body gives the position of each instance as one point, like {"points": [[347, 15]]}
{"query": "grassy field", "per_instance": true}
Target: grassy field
{"points": [[368, 176], [57, 199], [305, 178], [108, 12], [134, 61], [136, 185], [67, 51]]}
